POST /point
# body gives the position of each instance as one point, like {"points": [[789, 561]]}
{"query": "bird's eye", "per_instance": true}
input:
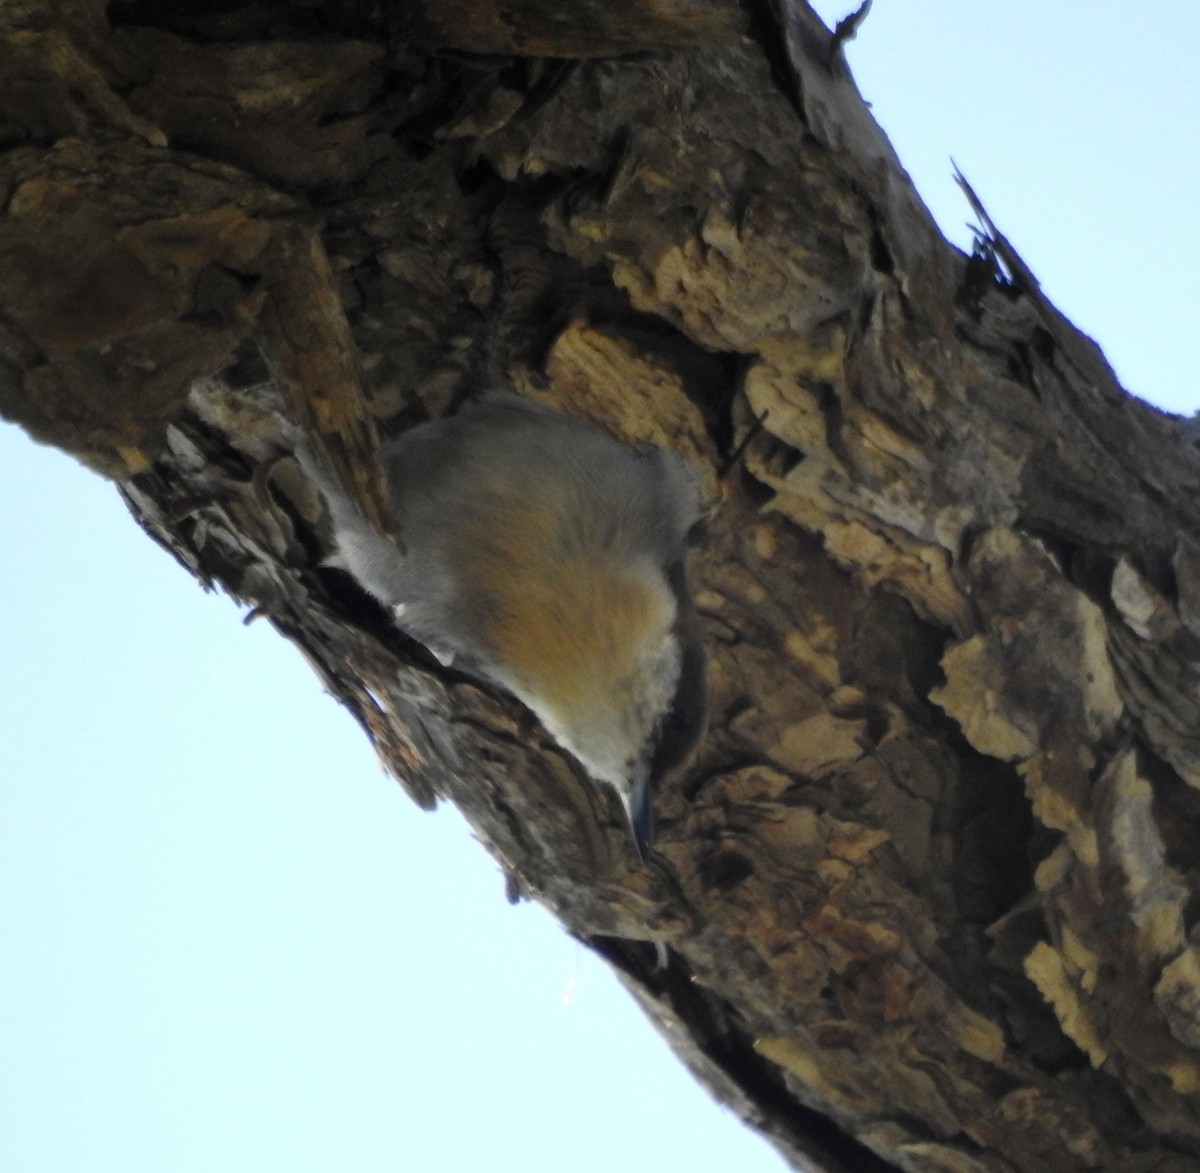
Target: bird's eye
{"points": [[681, 719], [679, 734]]}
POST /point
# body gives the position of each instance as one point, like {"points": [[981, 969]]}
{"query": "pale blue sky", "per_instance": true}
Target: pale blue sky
{"points": [[227, 940]]}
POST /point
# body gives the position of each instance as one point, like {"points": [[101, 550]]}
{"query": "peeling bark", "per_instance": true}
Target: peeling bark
{"points": [[927, 901]]}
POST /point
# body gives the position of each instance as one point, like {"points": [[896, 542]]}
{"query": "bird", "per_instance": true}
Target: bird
{"points": [[549, 558]]}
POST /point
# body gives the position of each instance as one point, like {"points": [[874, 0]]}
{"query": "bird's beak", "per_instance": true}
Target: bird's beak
{"points": [[640, 812]]}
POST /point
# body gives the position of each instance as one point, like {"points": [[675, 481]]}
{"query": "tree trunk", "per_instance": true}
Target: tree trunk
{"points": [[926, 901]]}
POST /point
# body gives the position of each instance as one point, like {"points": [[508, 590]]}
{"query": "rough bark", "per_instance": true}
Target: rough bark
{"points": [[927, 900]]}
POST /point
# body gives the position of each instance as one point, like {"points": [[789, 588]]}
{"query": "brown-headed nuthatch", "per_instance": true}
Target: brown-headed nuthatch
{"points": [[550, 559]]}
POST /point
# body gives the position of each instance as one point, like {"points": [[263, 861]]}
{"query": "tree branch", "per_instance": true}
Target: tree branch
{"points": [[927, 893]]}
